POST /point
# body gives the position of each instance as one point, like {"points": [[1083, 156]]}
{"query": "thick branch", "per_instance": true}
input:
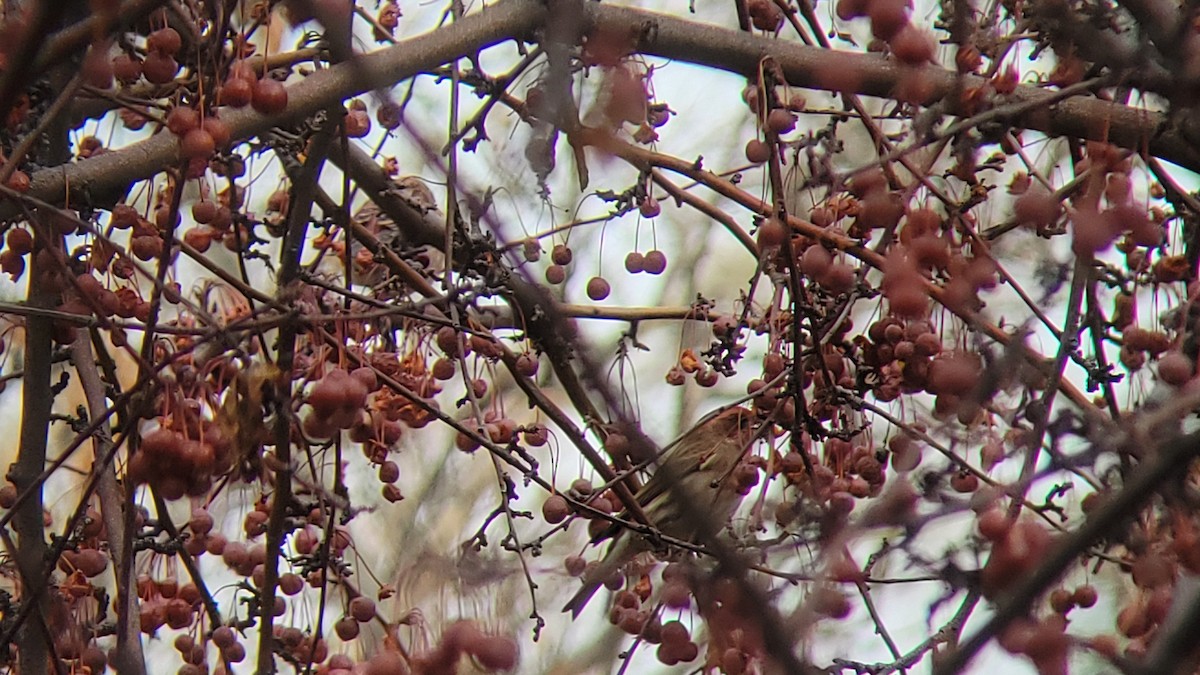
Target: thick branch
{"points": [[129, 657], [659, 35]]}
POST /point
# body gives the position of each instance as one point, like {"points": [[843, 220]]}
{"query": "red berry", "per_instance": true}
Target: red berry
{"points": [[159, 68], [555, 509], [575, 565], [757, 151], [1175, 368], [388, 115], [598, 289], [165, 40], [218, 129], [561, 255], [362, 609], [346, 628], [19, 240], [655, 262], [182, 119], [126, 68], [270, 96], [771, 233], [527, 365], [781, 121], [204, 212], [1085, 596], [197, 144], [815, 261], [236, 92]]}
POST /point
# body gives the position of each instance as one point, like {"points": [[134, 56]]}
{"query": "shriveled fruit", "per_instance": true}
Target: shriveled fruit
{"points": [[654, 262], [757, 151], [270, 97], [598, 288]]}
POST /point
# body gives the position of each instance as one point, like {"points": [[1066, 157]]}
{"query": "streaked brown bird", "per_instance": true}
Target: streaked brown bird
{"points": [[693, 491], [416, 194]]}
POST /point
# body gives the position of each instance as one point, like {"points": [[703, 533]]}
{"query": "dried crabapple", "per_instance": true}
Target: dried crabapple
{"points": [[781, 121], [165, 40], [182, 119], [771, 233], [815, 261], [197, 144], [634, 262], [536, 436], [389, 472], [867, 182], [765, 15], [632, 621], [556, 274], [1085, 596], [888, 17], [442, 369], [346, 628], [356, 124], [561, 255], [235, 653], [575, 565], [1061, 600], [598, 288], [674, 632], [291, 583], [676, 595], [224, 637], [367, 376], [912, 46], [1176, 368], [19, 181], [127, 69], [964, 481], [654, 262], [676, 376], [218, 129], [236, 92], [159, 68], [270, 97], [757, 151], [707, 377], [389, 115]]}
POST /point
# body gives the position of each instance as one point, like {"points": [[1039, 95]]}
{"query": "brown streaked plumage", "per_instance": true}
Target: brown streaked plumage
{"points": [[692, 491]]}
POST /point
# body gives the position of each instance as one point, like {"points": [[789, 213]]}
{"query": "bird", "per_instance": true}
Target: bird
{"points": [[413, 191], [692, 493]]}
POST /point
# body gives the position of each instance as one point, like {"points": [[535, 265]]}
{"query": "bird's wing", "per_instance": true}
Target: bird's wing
{"points": [[659, 484], [671, 468]]}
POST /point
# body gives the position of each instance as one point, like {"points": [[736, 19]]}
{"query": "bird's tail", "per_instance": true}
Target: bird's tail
{"points": [[580, 600], [619, 552]]}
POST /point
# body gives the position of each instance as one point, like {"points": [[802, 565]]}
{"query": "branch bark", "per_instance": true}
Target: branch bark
{"points": [[128, 657], [109, 174]]}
